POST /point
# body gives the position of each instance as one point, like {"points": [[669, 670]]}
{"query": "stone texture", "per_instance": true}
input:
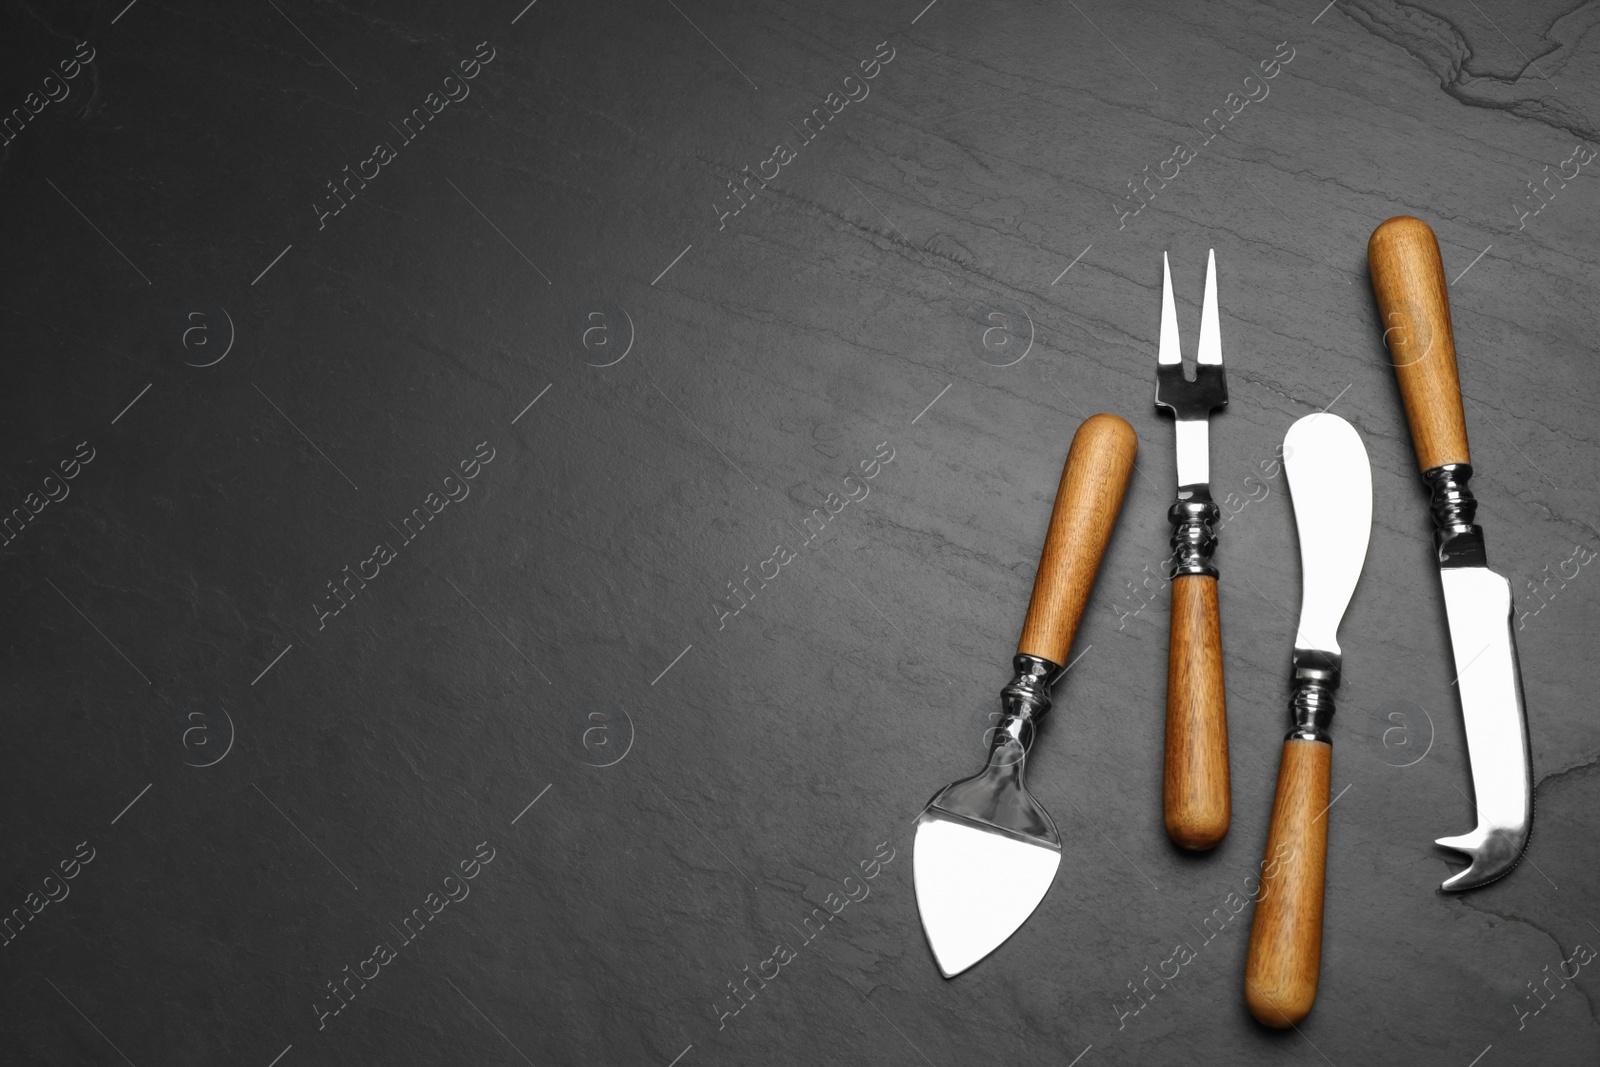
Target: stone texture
{"points": [[524, 638]]}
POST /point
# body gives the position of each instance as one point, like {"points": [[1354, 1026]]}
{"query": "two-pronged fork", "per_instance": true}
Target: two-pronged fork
{"points": [[1196, 800]]}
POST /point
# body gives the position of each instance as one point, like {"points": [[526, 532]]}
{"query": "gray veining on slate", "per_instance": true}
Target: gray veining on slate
{"points": [[563, 617]]}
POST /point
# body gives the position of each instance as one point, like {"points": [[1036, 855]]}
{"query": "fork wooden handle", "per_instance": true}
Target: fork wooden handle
{"points": [[1285, 959], [1414, 309], [1196, 792], [1087, 502]]}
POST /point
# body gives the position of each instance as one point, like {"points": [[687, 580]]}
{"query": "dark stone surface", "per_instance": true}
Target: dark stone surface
{"points": [[525, 636]]}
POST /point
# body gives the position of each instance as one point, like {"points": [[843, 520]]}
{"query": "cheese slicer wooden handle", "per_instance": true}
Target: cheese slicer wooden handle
{"points": [[1087, 502]]}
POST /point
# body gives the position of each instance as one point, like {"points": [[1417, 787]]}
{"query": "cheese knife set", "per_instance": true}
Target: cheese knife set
{"points": [[986, 852]]}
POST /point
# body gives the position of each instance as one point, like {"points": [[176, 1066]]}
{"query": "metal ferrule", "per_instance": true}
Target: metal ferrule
{"points": [[1194, 535], [1457, 540], [1315, 676], [1026, 700]]}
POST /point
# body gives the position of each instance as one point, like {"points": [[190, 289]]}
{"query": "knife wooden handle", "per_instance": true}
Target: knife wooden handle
{"points": [[1195, 788], [1414, 308], [1280, 975], [1087, 503]]}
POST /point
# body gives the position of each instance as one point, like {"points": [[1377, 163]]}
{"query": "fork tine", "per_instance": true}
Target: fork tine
{"points": [[1168, 353], [1210, 333]]}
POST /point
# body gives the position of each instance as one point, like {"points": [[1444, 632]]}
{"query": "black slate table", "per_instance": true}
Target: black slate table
{"points": [[513, 510]]}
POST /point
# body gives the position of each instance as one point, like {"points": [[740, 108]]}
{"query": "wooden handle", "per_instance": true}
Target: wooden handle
{"points": [[1196, 793], [1280, 975], [1087, 502], [1414, 308]]}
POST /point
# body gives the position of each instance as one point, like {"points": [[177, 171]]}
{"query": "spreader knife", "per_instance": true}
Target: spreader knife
{"points": [[1414, 307], [1330, 481], [986, 852]]}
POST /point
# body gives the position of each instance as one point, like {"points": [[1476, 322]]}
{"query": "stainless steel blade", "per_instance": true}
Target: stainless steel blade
{"points": [[975, 885], [984, 855], [1478, 604], [1330, 480]]}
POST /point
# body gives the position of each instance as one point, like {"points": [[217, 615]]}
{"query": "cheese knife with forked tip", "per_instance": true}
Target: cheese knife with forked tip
{"points": [[985, 851], [1413, 301]]}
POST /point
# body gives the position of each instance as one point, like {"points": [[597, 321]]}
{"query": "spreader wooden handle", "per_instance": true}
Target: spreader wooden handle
{"points": [[1280, 974], [1196, 793], [1087, 503], [1414, 309]]}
